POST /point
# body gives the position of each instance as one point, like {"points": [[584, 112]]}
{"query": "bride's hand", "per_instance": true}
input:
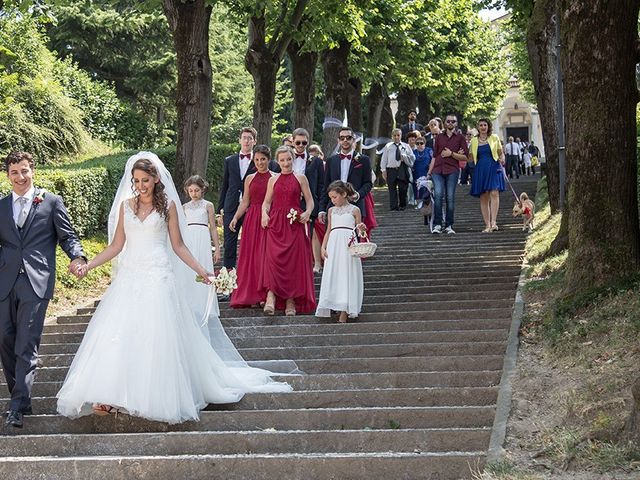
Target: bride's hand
{"points": [[205, 275]]}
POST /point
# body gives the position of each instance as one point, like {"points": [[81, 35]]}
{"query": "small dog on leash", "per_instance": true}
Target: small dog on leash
{"points": [[526, 208]]}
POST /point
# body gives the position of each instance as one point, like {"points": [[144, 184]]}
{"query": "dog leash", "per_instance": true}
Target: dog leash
{"points": [[515, 195]]}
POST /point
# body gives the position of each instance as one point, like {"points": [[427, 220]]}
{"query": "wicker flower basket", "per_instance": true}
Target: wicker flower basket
{"points": [[364, 249]]}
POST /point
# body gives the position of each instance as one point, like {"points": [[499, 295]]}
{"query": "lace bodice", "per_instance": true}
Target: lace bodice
{"points": [[343, 216], [147, 244], [196, 212]]}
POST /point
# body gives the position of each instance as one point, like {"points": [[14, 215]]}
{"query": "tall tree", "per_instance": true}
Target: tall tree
{"points": [[604, 235], [303, 82], [189, 23], [271, 26], [336, 76]]}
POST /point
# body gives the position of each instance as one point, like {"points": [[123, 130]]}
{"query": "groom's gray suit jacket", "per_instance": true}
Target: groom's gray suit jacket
{"points": [[34, 246]]}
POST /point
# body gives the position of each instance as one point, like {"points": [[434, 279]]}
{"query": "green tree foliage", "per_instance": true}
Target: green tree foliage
{"points": [[130, 47], [467, 69], [35, 113], [232, 101]]}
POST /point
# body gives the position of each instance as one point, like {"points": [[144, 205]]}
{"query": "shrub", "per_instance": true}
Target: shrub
{"points": [[88, 188]]}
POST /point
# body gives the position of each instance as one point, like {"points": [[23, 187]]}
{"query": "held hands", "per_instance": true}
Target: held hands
{"points": [[79, 268], [322, 217]]}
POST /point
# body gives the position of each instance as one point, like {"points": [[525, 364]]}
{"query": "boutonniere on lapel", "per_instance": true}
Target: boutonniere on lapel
{"points": [[38, 199]]}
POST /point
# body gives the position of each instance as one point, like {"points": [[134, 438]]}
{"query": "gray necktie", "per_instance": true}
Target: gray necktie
{"points": [[22, 216]]}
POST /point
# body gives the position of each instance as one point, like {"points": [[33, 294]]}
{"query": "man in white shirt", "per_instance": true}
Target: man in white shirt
{"points": [[397, 159], [511, 151]]}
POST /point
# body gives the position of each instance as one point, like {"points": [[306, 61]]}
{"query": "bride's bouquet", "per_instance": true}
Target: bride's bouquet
{"points": [[225, 282]]}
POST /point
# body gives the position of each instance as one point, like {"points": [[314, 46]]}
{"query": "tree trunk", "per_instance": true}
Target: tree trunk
{"points": [[263, 58], [336, 76], [407, 100], [604, 235], [426, 112], [386, 120], [354, 104], [303, 83], [542, 57], [263, 67], [375, 104], [189, 24]]}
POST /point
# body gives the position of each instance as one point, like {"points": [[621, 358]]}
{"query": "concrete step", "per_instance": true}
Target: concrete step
{"points": [[339, 351], [449, 465], [339, 418], [257, 442], [346, 338], [343, 381], [401, 397], [328, 328]]}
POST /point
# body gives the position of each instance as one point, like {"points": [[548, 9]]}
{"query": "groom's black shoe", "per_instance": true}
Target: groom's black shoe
{"points": [[25, 411], [14, 419]]}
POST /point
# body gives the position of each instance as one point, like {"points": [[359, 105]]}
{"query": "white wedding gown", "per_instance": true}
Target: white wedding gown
{"points": [[144, 351]]}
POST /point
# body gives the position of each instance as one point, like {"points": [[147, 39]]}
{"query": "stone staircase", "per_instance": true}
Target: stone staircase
{"points": [[407, 391]]}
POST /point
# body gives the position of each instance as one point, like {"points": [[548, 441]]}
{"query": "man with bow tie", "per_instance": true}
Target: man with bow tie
{"points": [[311, 167], [411, 125], [395, 164], [349, 166]]}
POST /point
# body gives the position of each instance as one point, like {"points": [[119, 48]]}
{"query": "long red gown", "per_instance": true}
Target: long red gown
{"points": [[252, 245], [287, 269]]}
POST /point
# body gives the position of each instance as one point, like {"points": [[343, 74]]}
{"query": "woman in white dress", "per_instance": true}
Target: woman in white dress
{"points": [[144, 351], [342, 287]]}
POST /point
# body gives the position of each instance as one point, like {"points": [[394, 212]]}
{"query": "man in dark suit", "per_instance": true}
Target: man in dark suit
{"points": [[33, 222], [410, 126], [311, 167], [349, 166], [236, 168]]}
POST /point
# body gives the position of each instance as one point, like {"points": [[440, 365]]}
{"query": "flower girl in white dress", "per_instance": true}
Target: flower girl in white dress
{"points": [[342, 287], [201, 224], [144, 351]]}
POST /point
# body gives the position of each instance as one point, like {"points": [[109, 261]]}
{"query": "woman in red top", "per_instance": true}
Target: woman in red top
{"points": [[252, 243], [287, 277]]}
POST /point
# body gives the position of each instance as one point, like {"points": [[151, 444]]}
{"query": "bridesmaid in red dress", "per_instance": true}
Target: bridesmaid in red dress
{"points": [[252, 242], [287, 277]]}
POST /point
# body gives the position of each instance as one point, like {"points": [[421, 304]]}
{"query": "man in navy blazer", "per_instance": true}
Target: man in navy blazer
{"points": [[236, 169], [309, 166], [349, 166], [32, 223]]}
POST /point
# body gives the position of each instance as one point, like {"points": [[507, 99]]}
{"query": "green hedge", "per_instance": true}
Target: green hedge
{"points": [[88, 187]]}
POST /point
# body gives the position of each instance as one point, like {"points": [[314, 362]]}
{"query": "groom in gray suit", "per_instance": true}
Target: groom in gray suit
{"points": [[32, 222]]}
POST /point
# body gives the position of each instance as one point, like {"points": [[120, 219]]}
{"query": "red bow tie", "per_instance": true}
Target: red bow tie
{"points": [[345, 155], [300, 155], [245, 155]]}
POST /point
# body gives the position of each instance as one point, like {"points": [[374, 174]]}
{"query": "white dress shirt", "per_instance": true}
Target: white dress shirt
{"points": [[388, 159], [299, 163], [16, 202], [345, 165]]}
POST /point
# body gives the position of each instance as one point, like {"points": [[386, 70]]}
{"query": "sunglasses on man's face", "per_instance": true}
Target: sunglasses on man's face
{"points": [[301, 142], [345, 137], [451, 121], [419, 143]]}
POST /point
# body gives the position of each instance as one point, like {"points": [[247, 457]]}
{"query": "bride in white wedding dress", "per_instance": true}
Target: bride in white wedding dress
{"points": [[145, 351]]}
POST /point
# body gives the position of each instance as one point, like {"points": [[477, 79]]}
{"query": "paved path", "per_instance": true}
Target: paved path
{"points": [[407, 391]]}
